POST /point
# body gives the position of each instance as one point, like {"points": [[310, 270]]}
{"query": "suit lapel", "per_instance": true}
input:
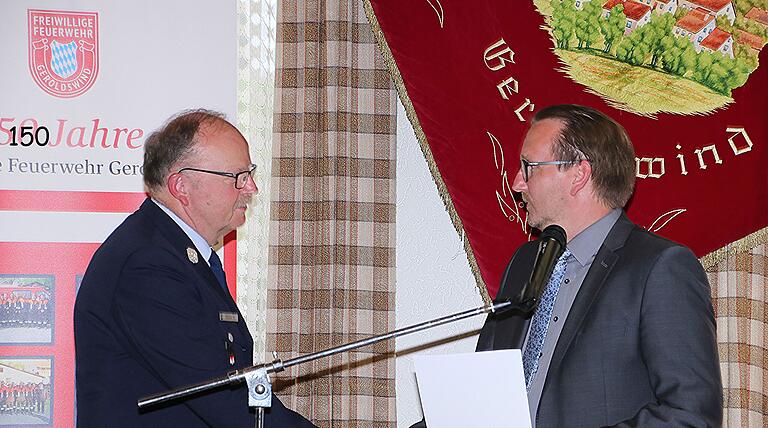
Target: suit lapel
{"points": [[590, 289]]}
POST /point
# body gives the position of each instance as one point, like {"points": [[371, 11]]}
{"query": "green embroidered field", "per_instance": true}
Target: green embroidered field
{"points": [[639, 89]]}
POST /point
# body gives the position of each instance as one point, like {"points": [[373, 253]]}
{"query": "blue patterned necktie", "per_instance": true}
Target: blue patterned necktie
{"points": [[218, 270], [540, 320]]}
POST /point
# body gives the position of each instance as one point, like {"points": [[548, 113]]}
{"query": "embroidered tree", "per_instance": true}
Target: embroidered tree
{"points": [[718, 72], [680, 12], [738, 73], [680, 57], [724, 24], [704, 62], [562, 22], [726, 74], [658, 35], [746, 54], [613, 27], [634, 48], [587, 24], [717, 78]]}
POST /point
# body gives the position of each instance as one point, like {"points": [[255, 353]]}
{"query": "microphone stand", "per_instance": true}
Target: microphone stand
{"points": [[257, 376]]}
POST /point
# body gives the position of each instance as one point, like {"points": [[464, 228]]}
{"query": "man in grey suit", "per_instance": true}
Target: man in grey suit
{"points": [[628, 337]]}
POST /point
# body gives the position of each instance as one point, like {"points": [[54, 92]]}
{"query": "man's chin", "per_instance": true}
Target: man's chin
{"points": [[238, 218], [533, 222]]}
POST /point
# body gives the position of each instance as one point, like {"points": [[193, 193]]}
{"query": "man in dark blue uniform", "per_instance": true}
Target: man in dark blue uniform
{"points": [[153, 312]]}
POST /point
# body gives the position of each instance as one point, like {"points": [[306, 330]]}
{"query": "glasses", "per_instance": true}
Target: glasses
{"points": [[525, 165], [241, 178]]}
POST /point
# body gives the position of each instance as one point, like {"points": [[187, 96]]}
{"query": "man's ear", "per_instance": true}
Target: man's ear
{"points": [[582, 176], [177, 187]]}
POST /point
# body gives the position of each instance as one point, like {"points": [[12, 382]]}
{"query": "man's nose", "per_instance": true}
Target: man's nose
{"points": [[519, 185], [250, 187]]}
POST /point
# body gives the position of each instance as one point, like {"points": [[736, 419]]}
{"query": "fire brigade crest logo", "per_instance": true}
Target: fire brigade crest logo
{"points": [[63, 51]]}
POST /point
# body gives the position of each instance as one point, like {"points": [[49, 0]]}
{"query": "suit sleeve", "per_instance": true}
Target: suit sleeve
{"points": [[678, 345], [165, 321]]}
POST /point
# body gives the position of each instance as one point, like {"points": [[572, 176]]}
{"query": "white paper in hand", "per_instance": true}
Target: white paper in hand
{"points": [[468, 390]]}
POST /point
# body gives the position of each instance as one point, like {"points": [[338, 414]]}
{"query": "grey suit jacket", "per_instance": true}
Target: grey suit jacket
{"points": [[638, 347]]}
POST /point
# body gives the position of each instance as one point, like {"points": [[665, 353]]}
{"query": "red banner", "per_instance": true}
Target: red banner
{"points": [[681, 77]]}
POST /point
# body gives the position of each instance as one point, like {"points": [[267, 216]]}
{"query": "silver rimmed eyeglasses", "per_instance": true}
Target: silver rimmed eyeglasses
{"points": [[526, 165], [241, 178]]}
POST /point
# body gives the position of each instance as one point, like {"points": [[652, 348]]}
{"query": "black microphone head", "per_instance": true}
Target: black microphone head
{"points": [[555, 232], [551, 246]]}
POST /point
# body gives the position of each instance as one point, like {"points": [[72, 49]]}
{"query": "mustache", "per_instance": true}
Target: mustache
{"points": [[243, 202]]}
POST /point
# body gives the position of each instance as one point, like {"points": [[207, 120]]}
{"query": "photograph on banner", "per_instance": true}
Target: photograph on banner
{"points": [[58, 279], [26, 308], [26, 391]]}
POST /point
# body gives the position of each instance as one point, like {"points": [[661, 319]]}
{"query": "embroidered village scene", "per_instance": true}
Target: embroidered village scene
{"points": [[651, 56]]}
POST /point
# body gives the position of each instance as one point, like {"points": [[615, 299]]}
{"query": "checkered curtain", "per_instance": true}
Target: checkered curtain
{"points": [[332, 230], [738, 275]]}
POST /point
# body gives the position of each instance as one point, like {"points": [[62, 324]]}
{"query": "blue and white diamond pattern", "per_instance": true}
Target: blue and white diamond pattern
{"points": [[64, 58], [540, 320]]}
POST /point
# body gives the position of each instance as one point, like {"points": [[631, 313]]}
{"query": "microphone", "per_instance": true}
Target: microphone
{"points": [[551, 247]]}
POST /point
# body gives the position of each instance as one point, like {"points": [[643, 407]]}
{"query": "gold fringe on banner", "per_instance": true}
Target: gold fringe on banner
{"points": [[411, 114], [743, 245]]}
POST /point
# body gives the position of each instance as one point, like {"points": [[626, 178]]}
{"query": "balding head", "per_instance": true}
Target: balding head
{"points": [[174, 142]]}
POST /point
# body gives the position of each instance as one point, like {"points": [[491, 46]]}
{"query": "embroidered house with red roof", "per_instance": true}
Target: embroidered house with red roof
{"points": [[638, 14], [758, 15], [719, 41], [665, 6], [697, 24], [752, 41], [715, 7]]}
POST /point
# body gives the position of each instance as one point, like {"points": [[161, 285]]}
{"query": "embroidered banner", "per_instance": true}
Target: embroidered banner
{"points": [[681, 76]]}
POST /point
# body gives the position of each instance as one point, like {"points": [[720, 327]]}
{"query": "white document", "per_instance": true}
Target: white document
{"points": [[481, 389]]}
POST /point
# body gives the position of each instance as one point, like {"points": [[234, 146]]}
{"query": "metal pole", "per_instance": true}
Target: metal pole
{"points": [[278, 365]]}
